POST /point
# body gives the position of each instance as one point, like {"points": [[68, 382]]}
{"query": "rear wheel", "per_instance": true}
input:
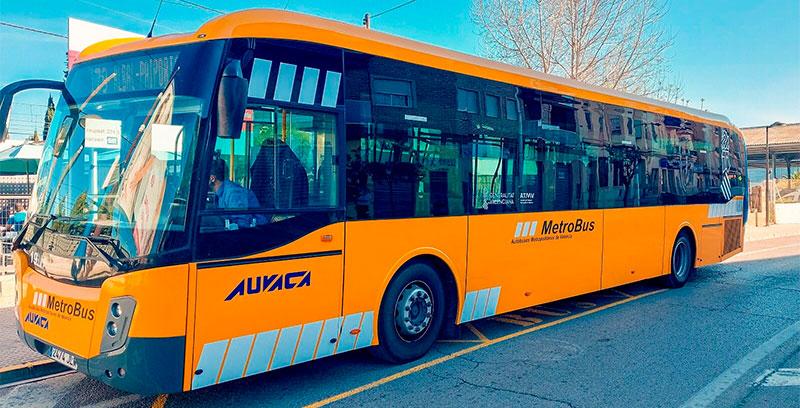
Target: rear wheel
{"points": [[411, 314], [681, 261]]}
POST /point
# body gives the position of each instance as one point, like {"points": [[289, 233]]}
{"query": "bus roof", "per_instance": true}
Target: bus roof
{"points": [[278, 24]]}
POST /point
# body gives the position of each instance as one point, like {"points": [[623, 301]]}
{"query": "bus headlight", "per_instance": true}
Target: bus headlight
{"points": [[117, 323]]}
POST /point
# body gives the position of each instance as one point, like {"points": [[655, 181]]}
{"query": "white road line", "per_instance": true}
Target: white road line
{"points": [[782, 377], [706, 396]]}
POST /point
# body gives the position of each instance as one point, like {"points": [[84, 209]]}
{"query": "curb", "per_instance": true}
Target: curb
{"points": [[28, 371]]}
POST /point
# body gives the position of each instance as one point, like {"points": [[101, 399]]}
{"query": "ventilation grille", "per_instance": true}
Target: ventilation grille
{"points": [[733, 235]]}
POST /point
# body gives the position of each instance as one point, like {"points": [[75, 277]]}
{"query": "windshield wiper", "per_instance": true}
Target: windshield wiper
{"points": [[120, 262], [23, 244]]}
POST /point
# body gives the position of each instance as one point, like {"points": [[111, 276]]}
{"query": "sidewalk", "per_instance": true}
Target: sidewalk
{"points": [[12, 350], [753, 233]]}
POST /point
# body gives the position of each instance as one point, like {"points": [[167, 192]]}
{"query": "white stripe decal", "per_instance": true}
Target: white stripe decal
{"points": [[526, 228], [308, 86], [285, 82], [533, 228], [519, 230], [330, 94]]}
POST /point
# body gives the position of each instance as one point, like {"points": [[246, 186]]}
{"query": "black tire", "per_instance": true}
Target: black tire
{"points": [[417, 286], [681, 261]]}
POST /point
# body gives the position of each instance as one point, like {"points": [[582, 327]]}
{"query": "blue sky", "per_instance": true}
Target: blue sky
{"points": [[742, 57]]}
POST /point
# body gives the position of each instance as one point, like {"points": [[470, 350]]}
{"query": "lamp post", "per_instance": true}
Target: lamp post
{"points": [[767, 167]]}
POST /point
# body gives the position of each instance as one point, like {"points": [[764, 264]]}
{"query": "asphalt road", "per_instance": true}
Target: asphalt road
{"points": [[731, 337]]}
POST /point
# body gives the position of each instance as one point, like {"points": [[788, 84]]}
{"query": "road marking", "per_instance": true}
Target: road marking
{"points": [[115, 402], [624, 294], [459, 353], [537, 310], [512, 321], [523, 318], [160, 401], [24, 365], [782, 377], [706, 396], [476, 332]]}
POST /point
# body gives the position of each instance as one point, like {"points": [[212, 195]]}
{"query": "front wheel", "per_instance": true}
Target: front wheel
{"points": [[411, 314], [681, 261]]}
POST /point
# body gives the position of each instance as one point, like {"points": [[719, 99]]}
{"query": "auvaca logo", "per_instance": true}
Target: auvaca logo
{"points": [[35, 318], [268, 283]]}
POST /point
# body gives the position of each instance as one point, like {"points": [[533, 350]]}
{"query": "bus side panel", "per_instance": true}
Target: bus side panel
{"points": [[520, 260], [680, 216], [377, 249], [711, 238], [633, 239], [267, 311]]}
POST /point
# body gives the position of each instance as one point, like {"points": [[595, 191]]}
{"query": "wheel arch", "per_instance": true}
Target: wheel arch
{"points": [[444, 268]]}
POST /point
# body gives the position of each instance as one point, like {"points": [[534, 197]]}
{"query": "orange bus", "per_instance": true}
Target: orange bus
{"points": [[276, 188]]}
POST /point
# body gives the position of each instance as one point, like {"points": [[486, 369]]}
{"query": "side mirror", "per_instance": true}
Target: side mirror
{"points": [[231, 101], [8, 92]]}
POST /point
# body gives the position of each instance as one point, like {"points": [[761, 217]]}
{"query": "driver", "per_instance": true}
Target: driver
{"points": [[231, 195]]}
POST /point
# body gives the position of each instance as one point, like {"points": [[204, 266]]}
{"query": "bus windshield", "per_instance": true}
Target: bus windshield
{"points": [[116, 168]]}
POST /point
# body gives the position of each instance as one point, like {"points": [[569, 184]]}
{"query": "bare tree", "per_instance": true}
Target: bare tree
{"points": [[619, 44]]}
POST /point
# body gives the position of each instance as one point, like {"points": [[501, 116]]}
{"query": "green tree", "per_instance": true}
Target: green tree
{"points": [[48, 116]]}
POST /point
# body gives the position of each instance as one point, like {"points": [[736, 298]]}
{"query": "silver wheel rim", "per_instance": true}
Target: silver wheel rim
{"points": [[413, 311], [680, 260]]}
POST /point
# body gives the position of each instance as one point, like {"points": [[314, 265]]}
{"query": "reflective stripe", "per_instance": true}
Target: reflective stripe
{"points": [[308, 342], [287, 342], [236, 358], [480, 304], [285, 82], [525, 228], [469, 305], [491, 304], [518, 232], [262, 352], [329, 331], [533, 228], [347, 340], [365, 336], [330, 94], [308, 87], [259, 78], [209, 362]]}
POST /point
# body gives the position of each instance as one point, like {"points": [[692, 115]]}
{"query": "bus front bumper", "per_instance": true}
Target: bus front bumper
{"points": [[144, 366]]}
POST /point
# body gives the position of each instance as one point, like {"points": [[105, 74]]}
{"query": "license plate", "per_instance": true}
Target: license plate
{"points": [[64, 358]]}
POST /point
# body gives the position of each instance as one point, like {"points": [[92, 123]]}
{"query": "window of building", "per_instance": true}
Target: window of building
{"points": [[492, 106], [393, 92], [511, 109], [467, 100]]}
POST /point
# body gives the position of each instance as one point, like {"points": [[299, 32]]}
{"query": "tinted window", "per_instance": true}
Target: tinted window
{"points": [[409, 164]]}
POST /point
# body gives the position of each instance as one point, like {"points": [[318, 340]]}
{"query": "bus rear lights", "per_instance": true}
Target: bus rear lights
{"points": [[118, 322]]}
